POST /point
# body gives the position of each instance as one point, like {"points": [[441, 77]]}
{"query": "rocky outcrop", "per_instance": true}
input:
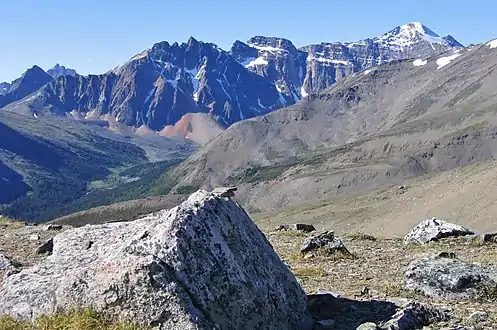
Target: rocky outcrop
{"points": [[326, 242], [434, 229], [450, 278], [201, 265]]}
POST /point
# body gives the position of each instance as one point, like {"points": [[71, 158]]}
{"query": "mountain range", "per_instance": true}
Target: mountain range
{"points": [[286, 125], [157, 87]]}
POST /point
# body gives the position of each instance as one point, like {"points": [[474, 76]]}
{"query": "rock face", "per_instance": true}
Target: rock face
{"points": [[434, 229], [157, 87], [450, 278], [326, 241], [201, 265]]}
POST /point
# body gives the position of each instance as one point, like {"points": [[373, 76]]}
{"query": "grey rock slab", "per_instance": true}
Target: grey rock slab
{"points": [[449, 278], [201, 265], [434, 229]]}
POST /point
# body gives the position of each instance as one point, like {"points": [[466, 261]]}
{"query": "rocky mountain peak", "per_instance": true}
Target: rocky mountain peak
{"points": [[60, 70], [415, 32], [271, 44]]}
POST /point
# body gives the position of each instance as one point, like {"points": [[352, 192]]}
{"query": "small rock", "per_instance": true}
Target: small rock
{"points": [[225, 191], [477, 318], [326, 241], [46, 248], [52, 227], [450, 255], [450, 278], [368, 326], [433, 230], [414, 316], [306, 228], [8, 263], [490, 237], [34, 237], [309, 256]]}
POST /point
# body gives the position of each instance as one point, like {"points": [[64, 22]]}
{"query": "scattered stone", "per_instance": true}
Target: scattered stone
{"points": [[306, 228], [490, 238], [326, 241], [450, 278], [47, 247], [52, 227], [7, 263], [368, 326], [477, 318], [225, 191], [414, 316], [34, 237], [203, 265], [434, 229], [450, 255]]}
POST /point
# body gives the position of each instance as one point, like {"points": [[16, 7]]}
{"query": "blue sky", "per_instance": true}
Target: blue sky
{"points": [[93, 36]]}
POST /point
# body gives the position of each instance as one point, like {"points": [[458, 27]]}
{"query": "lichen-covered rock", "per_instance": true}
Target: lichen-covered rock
{"points": [[450, 278], [326, 241], [201, 265], [434, 229], [303, 227]]}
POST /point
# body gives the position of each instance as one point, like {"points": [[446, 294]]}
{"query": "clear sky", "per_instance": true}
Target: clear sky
{"points": [[94, 36]]}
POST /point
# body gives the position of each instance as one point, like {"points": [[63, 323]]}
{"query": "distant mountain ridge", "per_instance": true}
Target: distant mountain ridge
{"points": [[157, 87]]}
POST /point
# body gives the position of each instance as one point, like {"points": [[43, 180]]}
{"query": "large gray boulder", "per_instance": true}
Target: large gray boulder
{"points": [[434, 229], [450, 278], [201, 265]]}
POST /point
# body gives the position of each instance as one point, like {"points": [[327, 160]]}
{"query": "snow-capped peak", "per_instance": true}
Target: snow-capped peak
{"points": [[414, 28], [415, 32]]}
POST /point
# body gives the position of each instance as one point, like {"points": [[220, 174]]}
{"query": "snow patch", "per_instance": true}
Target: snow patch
{"points": [[194, 79], [35, 115], [367, 72], [419, 62], [443, 61], [260, 103], [267, 48], [492, 44], [257, 61], [303, 92], [311, 58]]}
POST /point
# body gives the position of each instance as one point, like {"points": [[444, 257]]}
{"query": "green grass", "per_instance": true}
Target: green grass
{"points": [[75, 320]]}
